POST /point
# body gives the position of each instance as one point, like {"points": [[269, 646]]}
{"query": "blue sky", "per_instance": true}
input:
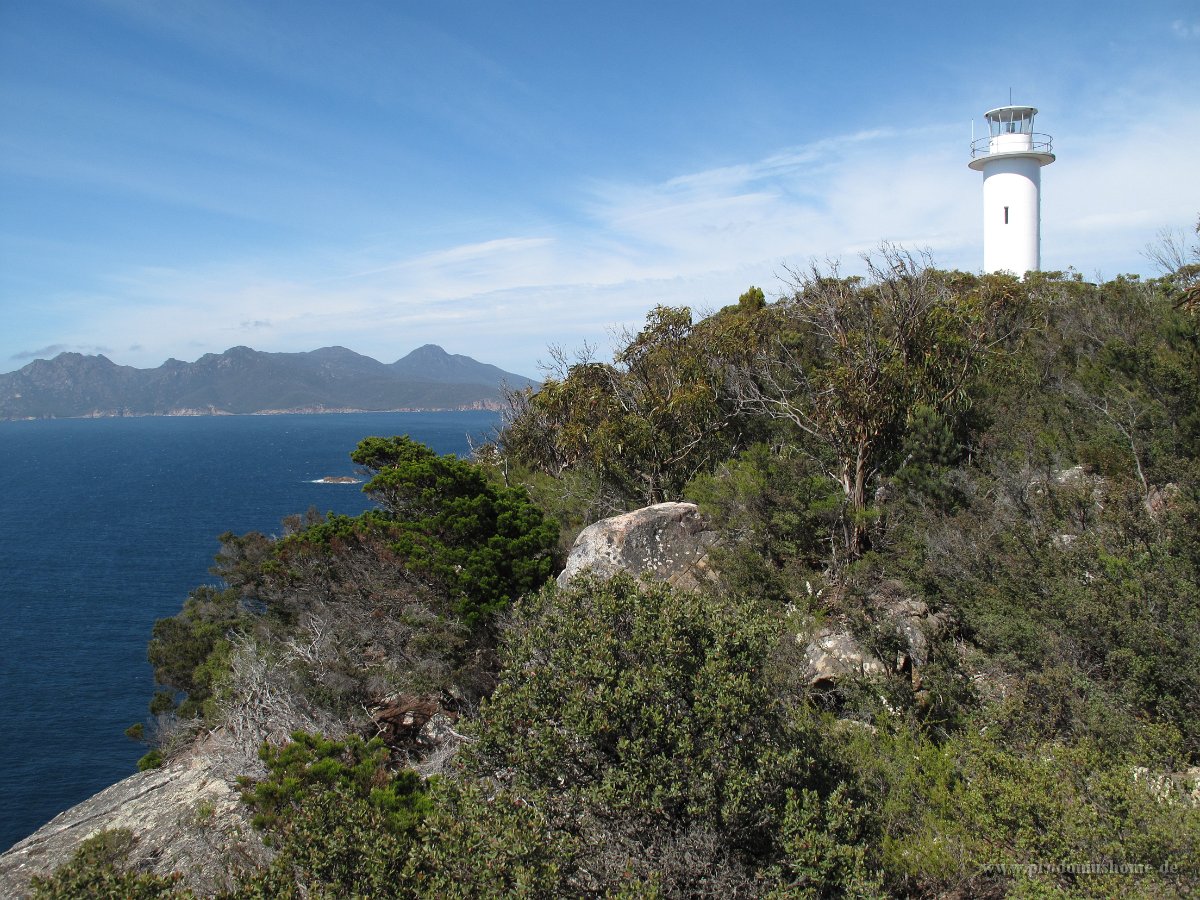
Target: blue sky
{"points": [[181, 177]]}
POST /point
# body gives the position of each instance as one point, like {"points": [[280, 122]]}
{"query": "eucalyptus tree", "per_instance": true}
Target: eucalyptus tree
{"points": [[646, 423], [850, 361]]}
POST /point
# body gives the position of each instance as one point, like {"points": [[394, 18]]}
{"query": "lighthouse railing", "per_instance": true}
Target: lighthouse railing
{"points": [[986, 146]]}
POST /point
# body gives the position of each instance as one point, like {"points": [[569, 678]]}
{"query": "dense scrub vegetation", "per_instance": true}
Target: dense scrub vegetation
{"points": [[1010, 464], [347, 622]]}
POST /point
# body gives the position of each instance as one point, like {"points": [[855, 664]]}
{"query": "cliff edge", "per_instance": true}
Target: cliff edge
{"points": [[184, 817]]}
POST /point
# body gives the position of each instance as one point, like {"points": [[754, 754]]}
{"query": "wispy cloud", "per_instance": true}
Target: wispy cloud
{"points": [[826, 199], [487, 259], [51, 350], [1186, 30], [698, 238], [1114, 188], [42, 353], [407, 64]]}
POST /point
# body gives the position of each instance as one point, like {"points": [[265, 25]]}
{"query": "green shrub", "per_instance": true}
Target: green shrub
{"points": [[485, 544], [310, 765], [648, 719], [340, 820], [345, 824], [970, 815], [635, 696], [1101, 626], [822, 848], [151, 760], [477, 841], [190, 650], [780, 511]]}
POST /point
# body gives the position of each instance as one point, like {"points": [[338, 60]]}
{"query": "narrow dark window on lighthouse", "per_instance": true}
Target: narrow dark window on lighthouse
{"points": [[1006, 215]]}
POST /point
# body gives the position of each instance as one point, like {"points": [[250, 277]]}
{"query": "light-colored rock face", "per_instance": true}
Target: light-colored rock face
{"points": [[1160, 500], [910, 619], [833, 654], [666, 542], [184, 818]]}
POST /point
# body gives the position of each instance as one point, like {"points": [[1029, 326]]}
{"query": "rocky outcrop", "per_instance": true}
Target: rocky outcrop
{"points": [[1097, 490], [1172, 787], [185, 817], [833, 654], [1161, 500], [907, 617], [666, 542]]}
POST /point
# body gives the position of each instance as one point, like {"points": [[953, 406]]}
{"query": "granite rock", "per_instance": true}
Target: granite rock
{"points": [[184, 817], [666, 542]]}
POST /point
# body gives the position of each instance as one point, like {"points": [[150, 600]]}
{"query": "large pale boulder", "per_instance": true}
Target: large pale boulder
{"points": [[185, 817], [666, 542]]}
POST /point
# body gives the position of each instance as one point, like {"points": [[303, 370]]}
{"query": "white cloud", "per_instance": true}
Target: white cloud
{"points": [[1113, 188]]}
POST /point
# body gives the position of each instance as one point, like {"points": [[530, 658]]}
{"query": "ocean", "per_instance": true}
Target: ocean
{"points": [[105, 526]]}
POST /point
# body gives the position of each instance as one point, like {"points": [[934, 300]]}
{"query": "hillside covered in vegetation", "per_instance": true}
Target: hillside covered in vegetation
{"points": [[1015, 462]]}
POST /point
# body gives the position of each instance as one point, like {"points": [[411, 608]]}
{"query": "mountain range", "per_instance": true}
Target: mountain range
{"points": [[243, 381]]}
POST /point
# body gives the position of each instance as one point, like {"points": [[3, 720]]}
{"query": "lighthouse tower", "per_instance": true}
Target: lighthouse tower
{"points": [[1011, 159]]}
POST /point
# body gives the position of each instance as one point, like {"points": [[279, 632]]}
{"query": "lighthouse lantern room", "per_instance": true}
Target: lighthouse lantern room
{"points": [[1011, 159]]}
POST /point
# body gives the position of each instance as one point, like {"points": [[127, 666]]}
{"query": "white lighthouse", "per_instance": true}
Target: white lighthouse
{"points": [[1011, 159]]}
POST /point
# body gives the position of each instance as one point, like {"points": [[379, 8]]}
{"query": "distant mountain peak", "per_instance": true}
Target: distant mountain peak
{"points": [[426, 351], [71, 356], [433, 364]]}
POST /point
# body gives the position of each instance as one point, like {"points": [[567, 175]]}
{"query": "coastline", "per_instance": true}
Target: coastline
{"points": [[109, 527], [213, 412]]}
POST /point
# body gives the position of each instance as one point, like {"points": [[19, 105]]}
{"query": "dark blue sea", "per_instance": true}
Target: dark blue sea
{"points": [[105, 525]]}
